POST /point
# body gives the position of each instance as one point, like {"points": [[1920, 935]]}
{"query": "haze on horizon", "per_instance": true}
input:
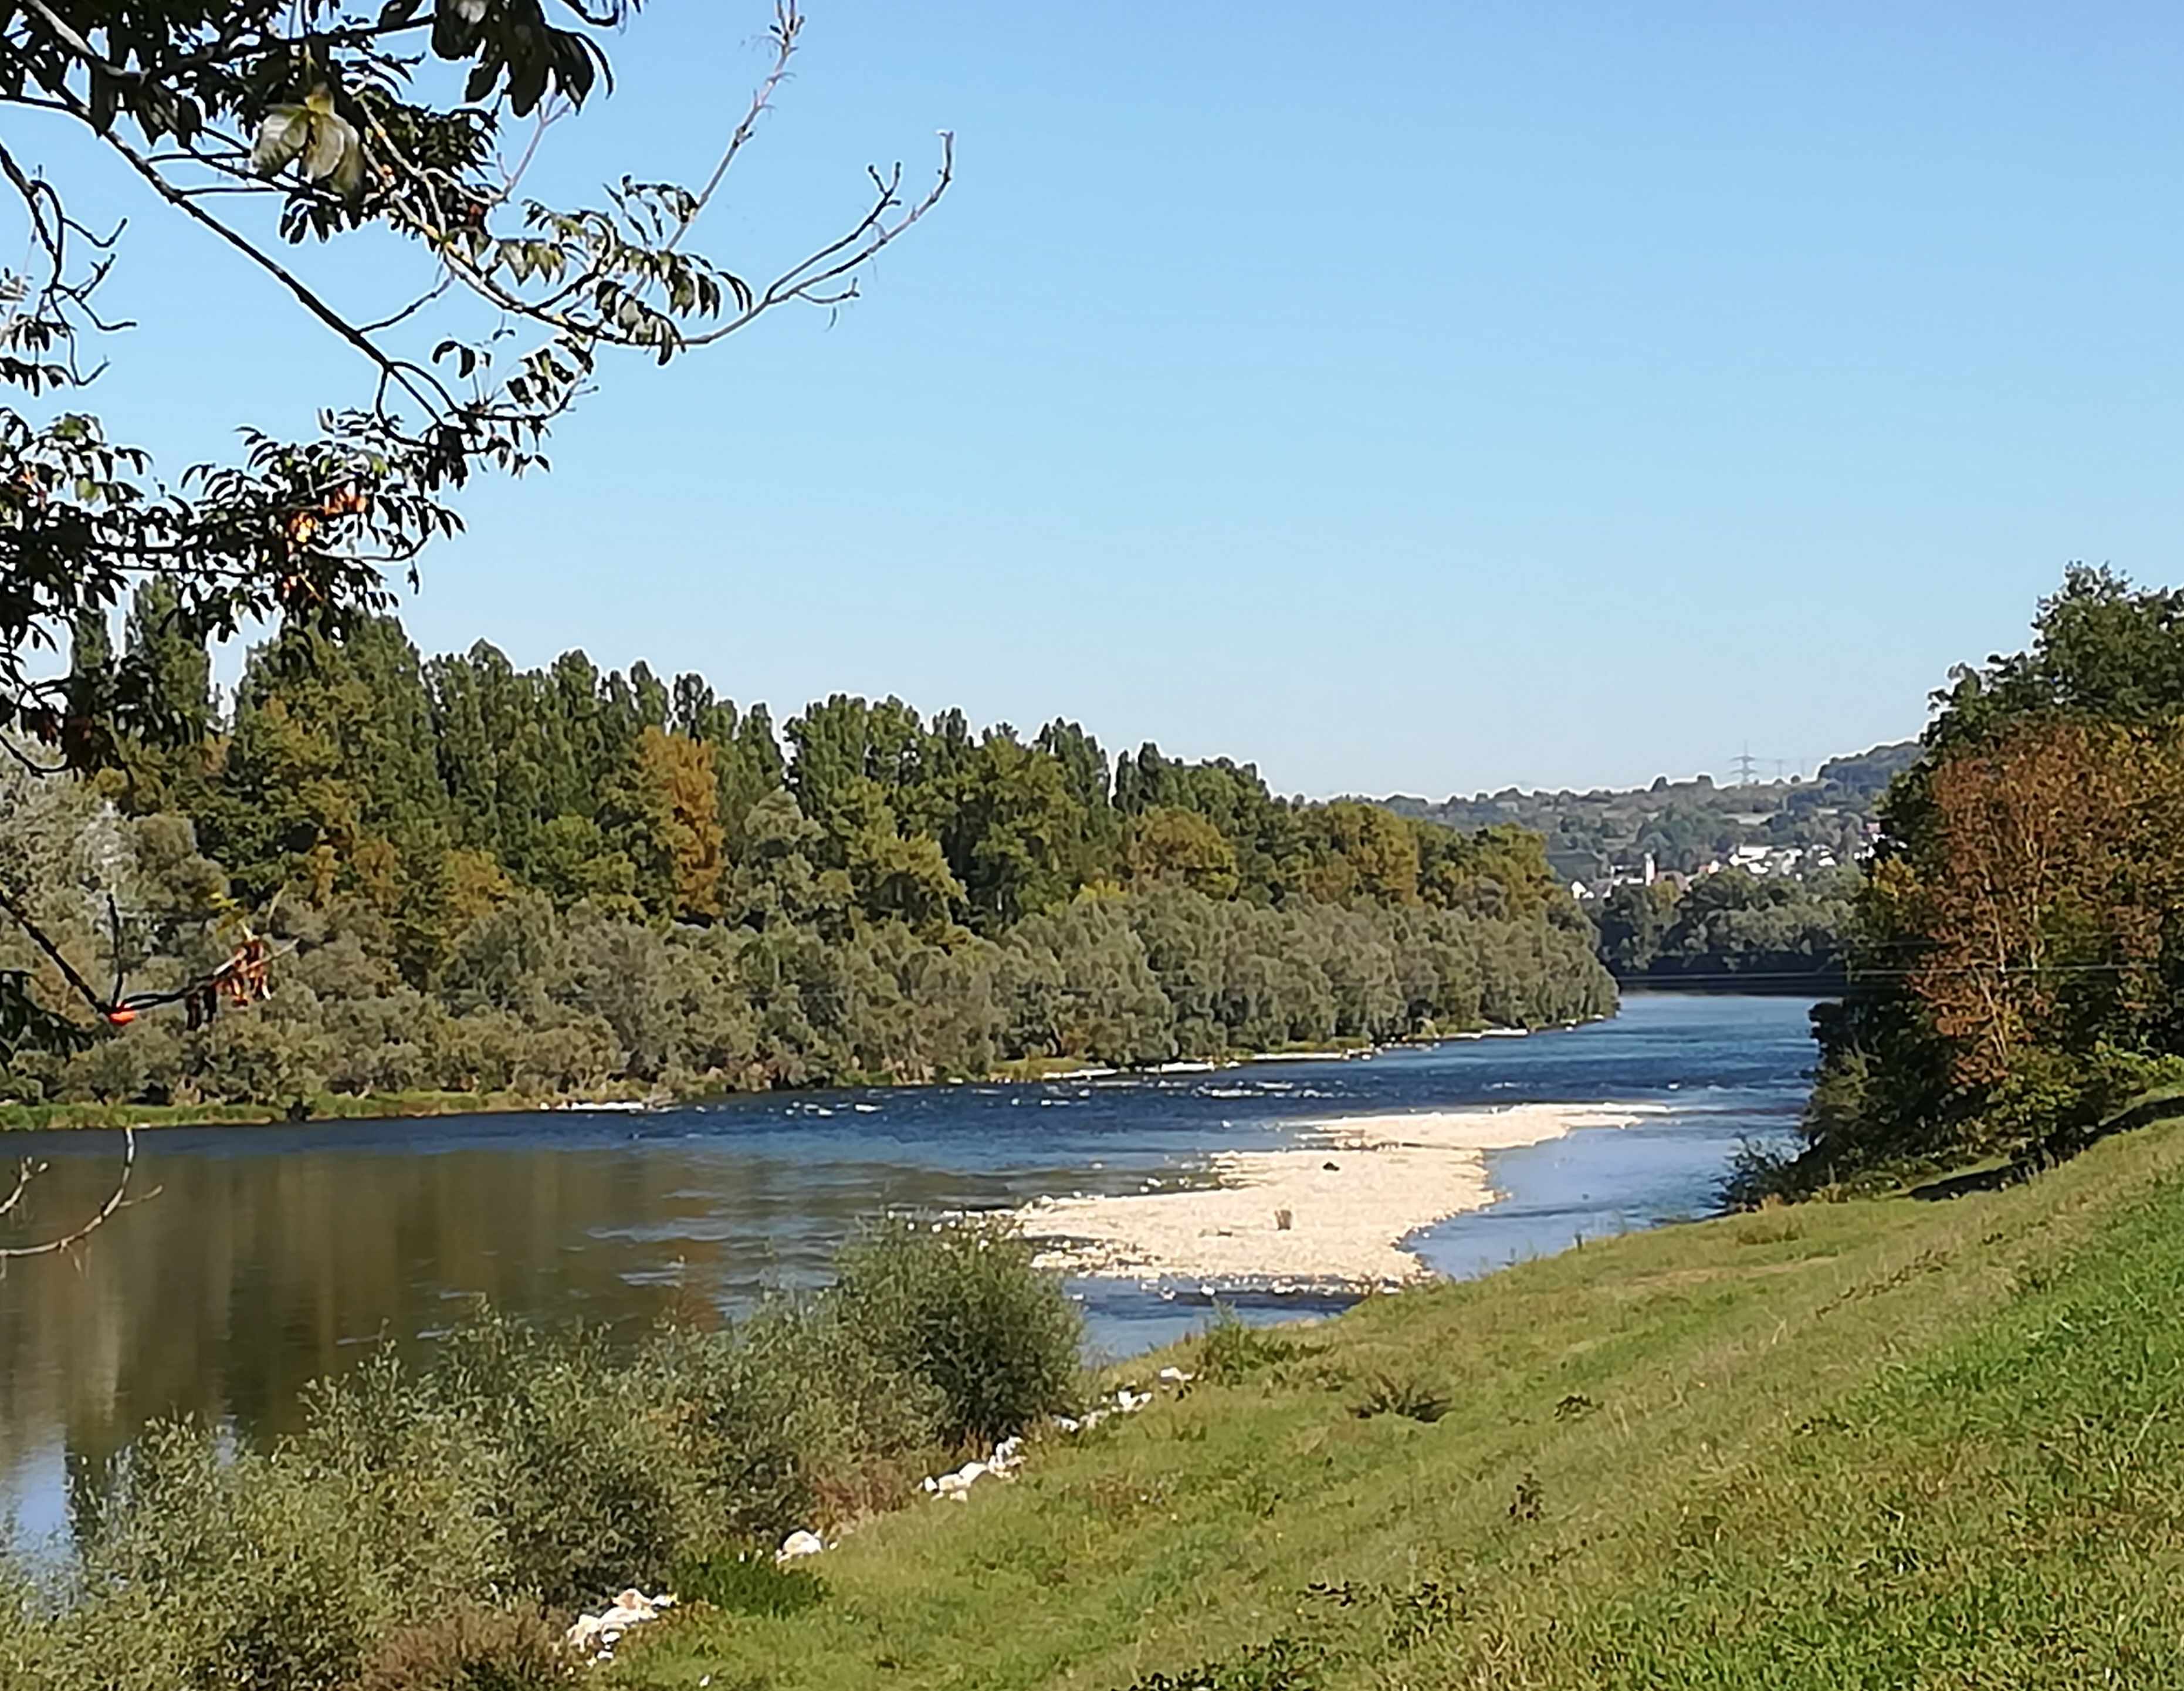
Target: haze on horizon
{"points": [[1487, 397]]}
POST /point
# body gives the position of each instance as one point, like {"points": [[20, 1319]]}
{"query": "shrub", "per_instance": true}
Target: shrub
{"points": [[204, 1569], [864, 1427], [469, 1647], [959, 1304], [1409, 1395], [1231, 1352], [365, 1551], [581, 1471]]}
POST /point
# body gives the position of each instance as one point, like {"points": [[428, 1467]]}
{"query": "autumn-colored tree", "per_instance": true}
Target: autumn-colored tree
{"points": [[2016, 891], [1182, 848], [1377, 851], [664, 815]]}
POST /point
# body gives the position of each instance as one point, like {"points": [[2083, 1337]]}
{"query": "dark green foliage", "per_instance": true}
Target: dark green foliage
{"points": [[1731, 927], [957, 1304], [1232, 1352], [747, 1582]]}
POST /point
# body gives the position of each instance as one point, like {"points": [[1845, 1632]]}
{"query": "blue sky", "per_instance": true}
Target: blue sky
{"points": [[1425, 397]]}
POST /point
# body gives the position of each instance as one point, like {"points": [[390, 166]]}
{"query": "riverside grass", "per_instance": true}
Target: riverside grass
{"points": [[1883, 1442]]}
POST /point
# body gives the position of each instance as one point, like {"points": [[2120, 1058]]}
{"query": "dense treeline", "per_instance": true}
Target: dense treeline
{"points": [[1730, 928], [2018, 949], [479, 878]]}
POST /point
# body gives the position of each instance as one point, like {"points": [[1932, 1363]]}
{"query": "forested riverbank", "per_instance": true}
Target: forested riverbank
{"points": [[474, 883]]}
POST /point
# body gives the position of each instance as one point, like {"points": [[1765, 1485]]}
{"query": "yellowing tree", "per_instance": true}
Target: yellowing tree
{"points": [[666, 817], [1182, 847]]}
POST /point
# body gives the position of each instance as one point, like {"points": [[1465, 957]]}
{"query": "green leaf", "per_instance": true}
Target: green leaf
{"points": [[280, 137]]}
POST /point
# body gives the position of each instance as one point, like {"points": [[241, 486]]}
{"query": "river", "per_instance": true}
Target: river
{"points": [[271, 1256]]}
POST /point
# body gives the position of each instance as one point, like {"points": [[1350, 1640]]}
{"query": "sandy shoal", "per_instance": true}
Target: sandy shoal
{"points": [[1392, 1175]]}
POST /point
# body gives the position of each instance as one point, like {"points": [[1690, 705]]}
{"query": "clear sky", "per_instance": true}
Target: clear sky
{"points": [[1419, 397]]}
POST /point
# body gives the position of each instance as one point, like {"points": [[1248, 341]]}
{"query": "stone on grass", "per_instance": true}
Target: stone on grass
{"points": [[800, 1544]]}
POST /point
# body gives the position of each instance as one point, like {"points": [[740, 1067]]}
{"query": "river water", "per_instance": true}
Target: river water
{"points": [[271, 1256]]}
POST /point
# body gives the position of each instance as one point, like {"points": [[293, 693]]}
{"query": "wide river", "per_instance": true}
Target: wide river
{"points": [[270, 1256]]}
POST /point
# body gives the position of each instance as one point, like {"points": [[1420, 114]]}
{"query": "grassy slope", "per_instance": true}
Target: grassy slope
{"points": [[1881, 1443]]}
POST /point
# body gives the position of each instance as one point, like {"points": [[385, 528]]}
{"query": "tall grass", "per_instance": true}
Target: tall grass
{"points": [[420, 1520]]}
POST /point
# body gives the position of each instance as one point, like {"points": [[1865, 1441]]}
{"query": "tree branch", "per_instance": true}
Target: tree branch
{"points": [[98, 1218]]}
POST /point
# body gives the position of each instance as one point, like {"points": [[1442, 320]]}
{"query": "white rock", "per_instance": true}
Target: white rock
{"points": [[800, 1543], [1176, 1376], [593, 1636], [1068, 1423]]}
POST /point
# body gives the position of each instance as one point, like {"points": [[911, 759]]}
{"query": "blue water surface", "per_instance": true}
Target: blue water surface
{"points": [[269, 1256]]}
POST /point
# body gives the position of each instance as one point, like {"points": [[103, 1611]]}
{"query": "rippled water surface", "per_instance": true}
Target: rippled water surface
{"points": [[270, 1256]]}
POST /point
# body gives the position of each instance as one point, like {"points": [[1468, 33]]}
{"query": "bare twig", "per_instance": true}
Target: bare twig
{"points": [[99, 1218], [787, 21], [26, 1170]]}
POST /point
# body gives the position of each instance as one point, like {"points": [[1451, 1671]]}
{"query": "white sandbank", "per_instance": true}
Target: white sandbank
{"points": [[1392, 1174]]}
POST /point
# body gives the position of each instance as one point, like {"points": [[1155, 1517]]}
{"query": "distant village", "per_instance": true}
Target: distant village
{"points": [[1787, 863], [1680, 831]]}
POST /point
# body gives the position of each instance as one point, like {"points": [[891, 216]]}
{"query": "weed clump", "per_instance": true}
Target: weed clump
{"points": [[471, 1648], [1413, 1396], [1231, 1352], [748, 1582], [1281, 1664]]}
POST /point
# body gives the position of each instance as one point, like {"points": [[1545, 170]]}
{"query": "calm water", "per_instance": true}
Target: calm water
{"points": [[272, 1256]]}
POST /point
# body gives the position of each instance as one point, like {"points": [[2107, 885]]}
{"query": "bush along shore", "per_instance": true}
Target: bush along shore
{"points": [[443, 1527]]}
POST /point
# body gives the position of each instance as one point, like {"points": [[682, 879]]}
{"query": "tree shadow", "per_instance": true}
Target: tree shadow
{"points": [[2057, 1148]]}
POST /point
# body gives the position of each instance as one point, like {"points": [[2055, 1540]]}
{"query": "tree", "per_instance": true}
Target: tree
{"points": [[2017, 959], [2017, 888], [1182, 847], [323, 113], [663, 813]]}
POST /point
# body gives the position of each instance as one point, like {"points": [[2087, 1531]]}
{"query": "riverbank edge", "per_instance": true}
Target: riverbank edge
{"points": [[1273, 1217], [340, 1107]]}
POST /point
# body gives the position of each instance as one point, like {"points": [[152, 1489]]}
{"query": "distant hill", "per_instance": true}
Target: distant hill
{"points": [[1686, 824]]}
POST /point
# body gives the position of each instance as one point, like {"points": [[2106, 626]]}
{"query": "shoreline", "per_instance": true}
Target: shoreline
{"points": [[630, 1099], [1351, 1191]]}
